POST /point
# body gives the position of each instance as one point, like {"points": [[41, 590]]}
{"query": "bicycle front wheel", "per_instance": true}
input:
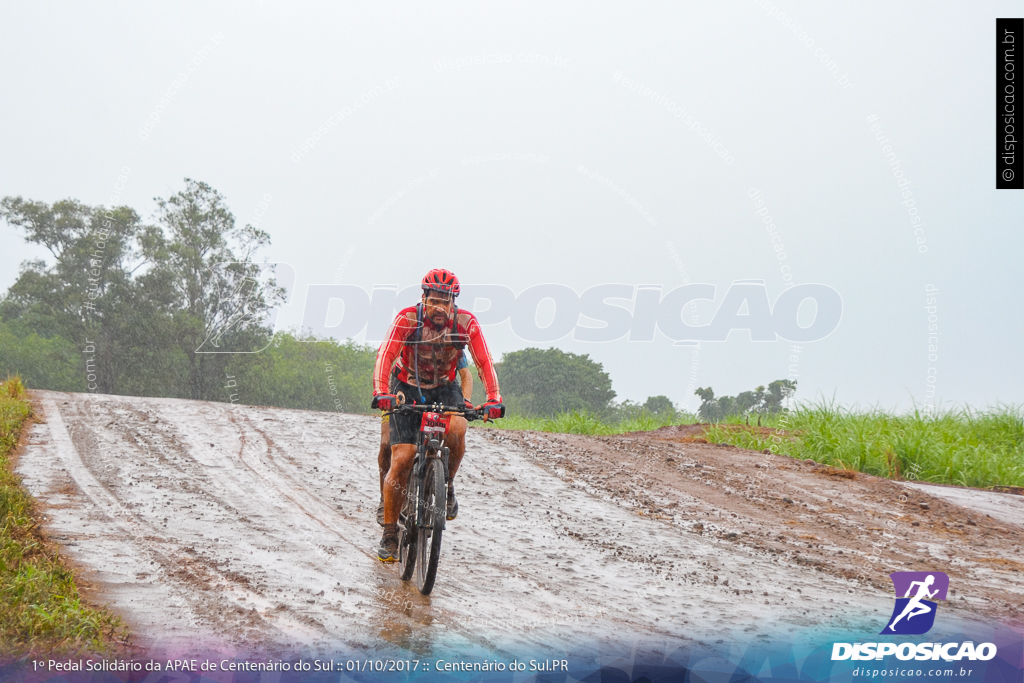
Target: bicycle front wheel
{"points": [[407, 530], [428, 541]]}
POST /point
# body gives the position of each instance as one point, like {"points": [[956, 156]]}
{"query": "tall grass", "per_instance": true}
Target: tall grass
{"points": [[960, 446], [576, 422], [40, 608]]}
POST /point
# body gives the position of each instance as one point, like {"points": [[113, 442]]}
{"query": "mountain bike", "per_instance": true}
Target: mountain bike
{"points": [[426, 495]]}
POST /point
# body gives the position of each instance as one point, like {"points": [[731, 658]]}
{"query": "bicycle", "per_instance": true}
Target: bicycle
{"points": [[422, 519]]}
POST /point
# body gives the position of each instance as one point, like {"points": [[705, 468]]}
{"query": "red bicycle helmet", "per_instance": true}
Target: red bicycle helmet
{"points": [[441, 280]]}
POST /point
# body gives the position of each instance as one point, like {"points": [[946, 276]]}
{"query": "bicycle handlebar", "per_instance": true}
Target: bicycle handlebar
{"points": [[469, 414]]}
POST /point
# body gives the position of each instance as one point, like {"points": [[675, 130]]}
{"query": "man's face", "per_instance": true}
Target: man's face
{"points": [[437, 307]]}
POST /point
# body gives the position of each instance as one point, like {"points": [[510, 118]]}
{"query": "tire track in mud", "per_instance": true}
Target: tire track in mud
{"points": [[103, 501], [285, 523], [173, 562], [323, 515]]}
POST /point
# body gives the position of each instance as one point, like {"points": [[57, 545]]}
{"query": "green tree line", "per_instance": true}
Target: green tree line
{"points": [[133, 307], [758, 402], [127, 307]]}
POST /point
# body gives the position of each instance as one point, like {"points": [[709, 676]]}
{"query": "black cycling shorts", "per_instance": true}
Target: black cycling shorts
{"points": [[403, 427]]}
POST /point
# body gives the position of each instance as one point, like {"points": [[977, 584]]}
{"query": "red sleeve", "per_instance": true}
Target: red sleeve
{"points": [[481, 356], [391, 347]]}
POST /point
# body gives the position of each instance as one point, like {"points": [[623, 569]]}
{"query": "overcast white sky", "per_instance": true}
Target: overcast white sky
{"points": [[80, 79]]}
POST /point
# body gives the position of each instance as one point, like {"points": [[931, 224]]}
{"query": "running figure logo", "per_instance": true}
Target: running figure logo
{"points": [[914, 612]]}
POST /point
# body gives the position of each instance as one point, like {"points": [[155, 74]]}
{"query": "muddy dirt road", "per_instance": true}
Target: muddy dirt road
{"points": [[252, 529]]}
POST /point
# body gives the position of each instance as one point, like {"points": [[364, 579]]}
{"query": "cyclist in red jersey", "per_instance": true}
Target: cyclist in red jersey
{"points": [[424, 344], [465, 379]]}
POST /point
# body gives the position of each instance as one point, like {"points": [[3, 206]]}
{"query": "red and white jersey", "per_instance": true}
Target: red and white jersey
{"points": [[432, 355]]}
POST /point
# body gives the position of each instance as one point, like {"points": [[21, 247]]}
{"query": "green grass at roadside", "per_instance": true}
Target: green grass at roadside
{"points": [[40, 608], [589, 424], [964, 447]]}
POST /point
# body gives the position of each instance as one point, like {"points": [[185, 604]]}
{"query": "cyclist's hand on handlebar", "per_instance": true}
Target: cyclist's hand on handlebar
{"points": [[469, 405], [493, 409], [384, 401]]}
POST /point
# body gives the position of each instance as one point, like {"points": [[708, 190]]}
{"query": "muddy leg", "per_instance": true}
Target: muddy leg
{"points": [[402, 456], [384, 455]]}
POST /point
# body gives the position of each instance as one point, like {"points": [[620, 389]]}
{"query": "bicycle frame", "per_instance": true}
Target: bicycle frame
{"points": [[428, 445], [435, 422], [422, 526]]}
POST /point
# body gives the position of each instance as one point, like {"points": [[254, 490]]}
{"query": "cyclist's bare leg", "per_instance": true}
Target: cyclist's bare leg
{"points": [[384, 455], [456, 442], [402, 456]]}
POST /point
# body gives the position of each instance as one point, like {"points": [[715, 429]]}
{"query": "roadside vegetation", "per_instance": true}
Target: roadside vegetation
{"points": [[587, 423], [959, 446], [40, 608]]}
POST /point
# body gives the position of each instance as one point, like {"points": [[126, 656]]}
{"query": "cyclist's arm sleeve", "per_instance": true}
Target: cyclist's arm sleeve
{"points": [[389, 349], [482, 359]]}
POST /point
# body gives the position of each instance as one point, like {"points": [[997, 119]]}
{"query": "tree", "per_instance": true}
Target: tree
{"points": [[206, 278], [143, 303], [545, 382], [709, 410], [778, 392], [757, 401], [52, 363], [87, 295], [314, 374], [746, 402], [660, 406]]}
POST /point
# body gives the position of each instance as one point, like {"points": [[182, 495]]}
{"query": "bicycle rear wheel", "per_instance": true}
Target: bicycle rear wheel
{"points": [[407, 530], [428, 542]]}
